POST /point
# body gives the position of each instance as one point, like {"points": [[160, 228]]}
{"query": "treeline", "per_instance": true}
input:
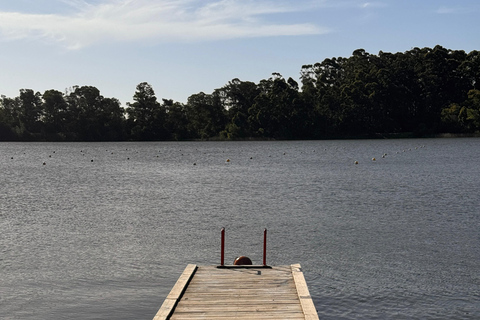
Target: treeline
{"points": [[419, 92]]}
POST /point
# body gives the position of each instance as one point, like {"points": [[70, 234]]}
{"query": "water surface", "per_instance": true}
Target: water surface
{"points": [[103, 230]]}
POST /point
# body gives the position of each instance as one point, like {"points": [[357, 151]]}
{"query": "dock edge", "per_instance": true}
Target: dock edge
{"points": [[171, 301], [306, 301]]}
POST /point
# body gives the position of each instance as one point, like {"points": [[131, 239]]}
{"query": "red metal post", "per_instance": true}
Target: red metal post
{"points": [[265, 247], [222, 253]]}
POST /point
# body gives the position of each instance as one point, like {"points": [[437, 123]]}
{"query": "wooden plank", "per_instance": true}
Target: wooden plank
{"points": [[306, 301], [238, 315], [176, 293]]}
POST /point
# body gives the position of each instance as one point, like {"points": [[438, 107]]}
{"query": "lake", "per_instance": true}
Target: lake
{"points": [[103, 230]]}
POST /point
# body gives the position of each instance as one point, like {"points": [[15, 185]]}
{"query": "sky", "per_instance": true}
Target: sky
{"points": [[183, 47]]}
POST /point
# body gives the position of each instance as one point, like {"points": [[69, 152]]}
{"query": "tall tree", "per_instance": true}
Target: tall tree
{"points": [[55, 114], [206, 115], [84, 105], [30, 111], [176, 122], [146, 116], [239, 97], [9, 119]]}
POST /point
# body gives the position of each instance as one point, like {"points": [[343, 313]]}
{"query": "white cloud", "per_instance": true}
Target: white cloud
{"points": [[373, 5], [162, 20]]}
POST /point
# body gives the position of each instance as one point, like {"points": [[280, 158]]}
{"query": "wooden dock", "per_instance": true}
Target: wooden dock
{"points": [[240, 292]]}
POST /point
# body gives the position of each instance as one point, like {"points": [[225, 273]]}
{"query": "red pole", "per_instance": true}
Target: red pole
{"points": [[265, 247], [222, 253]]}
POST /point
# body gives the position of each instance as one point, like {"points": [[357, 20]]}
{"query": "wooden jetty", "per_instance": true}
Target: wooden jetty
{"points": [[239, 292]]}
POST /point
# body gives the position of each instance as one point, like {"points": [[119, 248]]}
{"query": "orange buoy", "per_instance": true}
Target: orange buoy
{"points": [[242, 261]]}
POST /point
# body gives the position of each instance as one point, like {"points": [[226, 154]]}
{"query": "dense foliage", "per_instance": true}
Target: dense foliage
{"points": [[420, 92]]}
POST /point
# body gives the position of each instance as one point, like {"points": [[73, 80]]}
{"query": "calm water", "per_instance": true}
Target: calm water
{"points": [[103, 230]]}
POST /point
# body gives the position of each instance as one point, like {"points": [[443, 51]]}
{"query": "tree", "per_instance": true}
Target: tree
{"points": [[146, 117], [55, 114], [463, 118], [176, 122], [8, 119], [278, 111], [111, 120], [84, 107], [206, 115], [30, 111], [239, 96]]}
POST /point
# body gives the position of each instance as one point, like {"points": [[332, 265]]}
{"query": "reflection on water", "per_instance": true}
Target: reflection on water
{"points": [[103, 230]]}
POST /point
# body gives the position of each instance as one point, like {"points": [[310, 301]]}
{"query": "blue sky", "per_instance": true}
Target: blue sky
{"points": [[183, 47]]}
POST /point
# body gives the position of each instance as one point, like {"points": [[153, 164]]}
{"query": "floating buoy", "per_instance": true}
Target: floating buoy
{"points": [[242, 261], [356, 162], [194, 163], [44, 163], [228, 160], [91, 160], [373, 159]]}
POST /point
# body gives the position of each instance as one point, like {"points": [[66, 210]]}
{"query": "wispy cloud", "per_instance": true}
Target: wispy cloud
{"points": [[163, 20], [373, 5]]}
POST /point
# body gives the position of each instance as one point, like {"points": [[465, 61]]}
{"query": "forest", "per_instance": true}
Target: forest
{"points": [[418, 93]]}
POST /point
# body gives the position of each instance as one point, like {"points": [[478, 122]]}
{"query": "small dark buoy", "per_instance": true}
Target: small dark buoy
{"points": [[91, 160], [242, 261], [194, 163], [44, 163]]}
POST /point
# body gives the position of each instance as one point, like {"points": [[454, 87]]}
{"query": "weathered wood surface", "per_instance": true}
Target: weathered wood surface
{"points": [[254, 293], [176, 293]]}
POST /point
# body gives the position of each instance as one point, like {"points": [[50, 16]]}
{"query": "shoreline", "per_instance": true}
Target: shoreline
{"points": [[376, 136]]}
